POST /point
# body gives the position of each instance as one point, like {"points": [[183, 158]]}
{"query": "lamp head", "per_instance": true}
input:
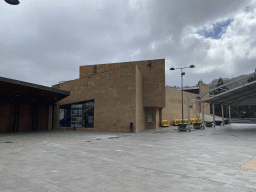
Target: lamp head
{"points": [[192, 66], [172, 68], [12, 2]]}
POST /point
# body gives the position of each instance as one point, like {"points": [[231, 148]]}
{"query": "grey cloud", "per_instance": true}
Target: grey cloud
{"points": [[45, 42]]}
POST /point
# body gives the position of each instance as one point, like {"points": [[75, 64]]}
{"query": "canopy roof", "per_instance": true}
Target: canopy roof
{"points": [[11, 89], [240, 92], [242, 95]]}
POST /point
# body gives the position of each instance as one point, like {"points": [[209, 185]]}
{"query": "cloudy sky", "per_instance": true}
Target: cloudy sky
{"points": [[45, 41]]}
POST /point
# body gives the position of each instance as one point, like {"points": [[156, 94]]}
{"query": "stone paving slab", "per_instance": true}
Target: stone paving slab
{"points": [[152, 160], [249, 166]]}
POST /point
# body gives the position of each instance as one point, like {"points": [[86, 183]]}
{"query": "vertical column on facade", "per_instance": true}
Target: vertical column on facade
{"points": [[16, 118], [188, 108], [222, 113], [160, 116], [213, 112], [50, 117], [202, 107], [229, 113], [53, 108], [35, 116]]}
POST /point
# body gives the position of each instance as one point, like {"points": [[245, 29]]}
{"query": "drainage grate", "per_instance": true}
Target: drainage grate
{"points": [[7, 142]]}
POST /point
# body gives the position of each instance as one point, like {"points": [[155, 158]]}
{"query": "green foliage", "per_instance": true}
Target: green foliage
{"points": [[220, 90], [251, 79]]}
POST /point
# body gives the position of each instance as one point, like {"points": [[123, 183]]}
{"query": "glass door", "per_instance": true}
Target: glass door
{"points": [[76, 115]]}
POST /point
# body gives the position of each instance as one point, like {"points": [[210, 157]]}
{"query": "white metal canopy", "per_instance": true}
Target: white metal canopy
{"points": [[244, 94]]}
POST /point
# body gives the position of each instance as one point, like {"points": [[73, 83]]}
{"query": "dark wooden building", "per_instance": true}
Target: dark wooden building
{"points": [[26, 106]]}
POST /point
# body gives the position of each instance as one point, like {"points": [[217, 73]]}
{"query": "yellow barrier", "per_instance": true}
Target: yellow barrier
{"points": [[177, 121], [164, 123], [198, 120], [192, 120]]}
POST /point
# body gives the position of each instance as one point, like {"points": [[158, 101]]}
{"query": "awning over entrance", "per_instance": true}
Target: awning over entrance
{"points": [[11, 89], [26, 106]]}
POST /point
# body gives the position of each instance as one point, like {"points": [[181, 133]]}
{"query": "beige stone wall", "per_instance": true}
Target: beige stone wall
{"points": [[173, 109], [88, 70], [121, 91], [140, 115], [153, 73], [202, 88], [114, 94]]}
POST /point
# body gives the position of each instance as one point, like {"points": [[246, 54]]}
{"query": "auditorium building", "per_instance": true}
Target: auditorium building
{"points": [[111, 97]]}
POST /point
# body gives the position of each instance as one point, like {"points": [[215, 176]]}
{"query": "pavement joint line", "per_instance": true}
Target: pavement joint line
{"points": [[201, 178], [37, 178], [56, 185]]}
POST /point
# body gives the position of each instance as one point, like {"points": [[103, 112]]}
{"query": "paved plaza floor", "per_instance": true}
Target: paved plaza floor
{"points": [[157, 160]]}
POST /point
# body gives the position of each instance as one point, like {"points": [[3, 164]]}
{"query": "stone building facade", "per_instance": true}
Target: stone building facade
{"points": [[109, 97]]}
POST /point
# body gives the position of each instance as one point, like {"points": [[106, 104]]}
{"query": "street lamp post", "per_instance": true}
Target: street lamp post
{"points": [[12, 2], [182, 73]]}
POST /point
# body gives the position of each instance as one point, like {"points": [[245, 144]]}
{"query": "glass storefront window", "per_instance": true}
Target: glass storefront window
{"points": [[79, 114]]}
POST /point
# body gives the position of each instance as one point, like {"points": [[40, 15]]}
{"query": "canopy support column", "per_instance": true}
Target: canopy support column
{"points": [[222, 113], [229, 115], [188, 101], [203, 115], [213, 112]]}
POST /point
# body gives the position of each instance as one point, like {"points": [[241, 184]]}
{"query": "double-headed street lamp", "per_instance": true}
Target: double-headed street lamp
{"points": [[12, 2], [182, 73]]}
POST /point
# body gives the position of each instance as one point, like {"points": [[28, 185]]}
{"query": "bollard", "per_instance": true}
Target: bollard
{"points": [[131, 127]]}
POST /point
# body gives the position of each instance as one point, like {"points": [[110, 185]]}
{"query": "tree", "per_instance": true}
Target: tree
{"points": [[251, 79], [217, 107], [222, 89]]}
